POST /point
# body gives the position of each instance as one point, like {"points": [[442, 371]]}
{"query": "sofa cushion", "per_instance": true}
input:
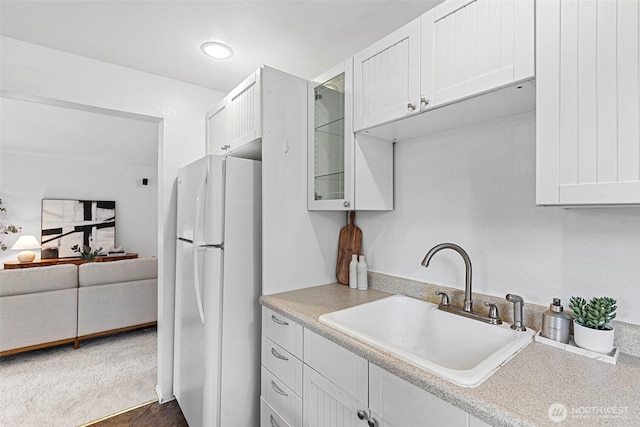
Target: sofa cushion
{"points": [[38, 318], [117, 305], [100, 273], [38, 279]]}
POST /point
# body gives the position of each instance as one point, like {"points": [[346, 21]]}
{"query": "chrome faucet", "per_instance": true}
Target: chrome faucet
{"points": [[468, 303], [467, 309]]}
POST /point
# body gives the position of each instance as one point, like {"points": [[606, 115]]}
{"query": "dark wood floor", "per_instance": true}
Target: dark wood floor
{"points": [[151, 415]]}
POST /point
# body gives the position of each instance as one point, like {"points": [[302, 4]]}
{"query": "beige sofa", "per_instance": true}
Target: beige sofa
{"points": [[45, 306], [38, 307], [119, 295]]}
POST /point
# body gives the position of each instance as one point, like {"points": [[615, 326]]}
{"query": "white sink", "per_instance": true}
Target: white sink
{"points": [[463, 351]]}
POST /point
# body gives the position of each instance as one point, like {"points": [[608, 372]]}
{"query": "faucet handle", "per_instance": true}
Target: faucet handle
{"points": [[493, 313], [493, 310], [444, 298]]}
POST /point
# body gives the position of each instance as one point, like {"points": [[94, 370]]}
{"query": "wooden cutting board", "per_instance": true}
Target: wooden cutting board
{"points": [[348, 243]]}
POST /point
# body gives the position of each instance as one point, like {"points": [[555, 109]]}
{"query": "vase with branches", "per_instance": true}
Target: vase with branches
{"points": [[7, 228]]}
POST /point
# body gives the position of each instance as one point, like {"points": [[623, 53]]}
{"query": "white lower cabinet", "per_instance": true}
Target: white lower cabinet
{"points": [[335, 384], [326, 404], [333, 387], [281, 372], [395, 402], [269, 417]]}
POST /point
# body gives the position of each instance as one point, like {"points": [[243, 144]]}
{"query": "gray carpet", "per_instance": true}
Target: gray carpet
{"points": [[64, 387]]}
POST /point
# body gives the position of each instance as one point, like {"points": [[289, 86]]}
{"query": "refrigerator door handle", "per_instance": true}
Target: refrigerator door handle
{"points": [[196, 248], [197, 282], [198, 207]]}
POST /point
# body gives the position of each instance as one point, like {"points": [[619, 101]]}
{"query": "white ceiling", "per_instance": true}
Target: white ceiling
{"points": [[41, 129], [301, 37]]}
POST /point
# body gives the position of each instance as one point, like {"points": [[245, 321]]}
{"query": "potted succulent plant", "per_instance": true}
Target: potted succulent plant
{"points": [[591, 329], [86, 252]]}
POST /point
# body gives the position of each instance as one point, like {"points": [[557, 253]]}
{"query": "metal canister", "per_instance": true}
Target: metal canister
{"points": [[556, 323]]}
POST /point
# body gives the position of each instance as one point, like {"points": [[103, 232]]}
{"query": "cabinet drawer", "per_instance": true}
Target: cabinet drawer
{"points": [[269, 417], [281, 398], [285, 366], [282, 331], [345, 369]]}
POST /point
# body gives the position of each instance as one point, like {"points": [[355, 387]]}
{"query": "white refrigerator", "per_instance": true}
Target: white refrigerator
{"points": [[218, 282]]}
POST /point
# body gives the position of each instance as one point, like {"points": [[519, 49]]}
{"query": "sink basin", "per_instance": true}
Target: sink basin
{"points": [[463, 351]]}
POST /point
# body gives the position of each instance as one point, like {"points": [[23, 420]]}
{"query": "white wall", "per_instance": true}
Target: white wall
{"points": [[55, 177], [476, 187], [36, 70]]}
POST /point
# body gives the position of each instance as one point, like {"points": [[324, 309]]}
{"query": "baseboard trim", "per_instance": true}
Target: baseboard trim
{"points": [[116, 331], [37, 346], [119, 413]]}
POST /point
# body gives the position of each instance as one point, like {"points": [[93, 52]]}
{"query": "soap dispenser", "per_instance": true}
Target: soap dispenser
{"points": [[353, 272], [556, 323], [362, 274]]}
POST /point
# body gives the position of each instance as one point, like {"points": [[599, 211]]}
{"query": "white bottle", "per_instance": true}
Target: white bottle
{"points": [[353, 272], [362, 274]]}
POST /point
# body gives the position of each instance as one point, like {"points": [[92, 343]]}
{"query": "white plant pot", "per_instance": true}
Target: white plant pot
{"points": [[598, 340]]}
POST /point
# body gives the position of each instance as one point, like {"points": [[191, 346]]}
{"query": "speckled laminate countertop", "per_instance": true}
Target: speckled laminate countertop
{"points": [[521, 393]]}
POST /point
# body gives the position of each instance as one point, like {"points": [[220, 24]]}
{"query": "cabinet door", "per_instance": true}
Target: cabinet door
{"points": [[245, 112], [330, 142], [588, 114], [345, 369], [473, 46], [327, 405], [217, 126], [386, 78], [395, 402]]}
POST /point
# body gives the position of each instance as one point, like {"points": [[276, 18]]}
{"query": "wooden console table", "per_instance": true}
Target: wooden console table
{"points": [[56, 261]]}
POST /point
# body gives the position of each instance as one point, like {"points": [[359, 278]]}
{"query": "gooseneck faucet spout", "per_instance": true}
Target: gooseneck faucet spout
{"points": [[468, 303]]}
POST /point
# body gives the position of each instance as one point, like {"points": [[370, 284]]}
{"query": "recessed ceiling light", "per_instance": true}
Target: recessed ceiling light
{"points": [[217, 50]]}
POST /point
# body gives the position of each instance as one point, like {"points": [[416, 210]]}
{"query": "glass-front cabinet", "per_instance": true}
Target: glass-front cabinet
{"points": [[331, 141]]}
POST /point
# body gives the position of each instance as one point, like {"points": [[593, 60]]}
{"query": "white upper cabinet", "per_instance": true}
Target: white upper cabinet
{"points": [[245, 112], [588, 103], [330, 140], [237, 120], [344, 172], [387, 78], [458, 50], [473, 46], [217, 126]]}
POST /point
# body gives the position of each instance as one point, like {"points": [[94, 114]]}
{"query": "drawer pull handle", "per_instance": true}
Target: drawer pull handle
{"points": [[277, 389], [278, 321], [278, 355], [273, 421]]}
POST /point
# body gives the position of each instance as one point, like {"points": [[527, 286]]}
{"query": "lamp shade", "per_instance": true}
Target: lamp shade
{"points": [[26, 242]]}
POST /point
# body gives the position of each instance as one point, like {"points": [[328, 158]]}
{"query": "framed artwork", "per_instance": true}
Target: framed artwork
{"points": [[66, 223]]}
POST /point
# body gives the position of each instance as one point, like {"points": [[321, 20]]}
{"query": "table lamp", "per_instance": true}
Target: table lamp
{"points": [[25, 243]]}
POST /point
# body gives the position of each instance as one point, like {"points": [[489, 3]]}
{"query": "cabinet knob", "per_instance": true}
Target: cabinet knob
{"points": [[411, 107], [372, 422], [225, 147], [423, 102], [362, 414], [346, 204]]}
